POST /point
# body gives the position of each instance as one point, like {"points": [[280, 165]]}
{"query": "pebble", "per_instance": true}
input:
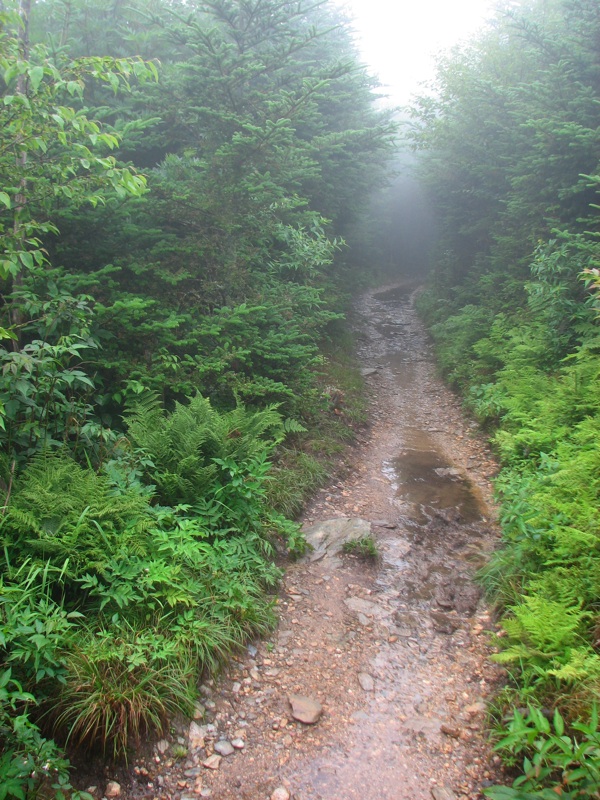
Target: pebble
{"points": [[238, 743], [113, 789], [196, 735], [305, 709], [451, 730], [194, 772], [224, 748], [162, 746], [212, 762], [280, 793], [366, 681], [442, 793]]}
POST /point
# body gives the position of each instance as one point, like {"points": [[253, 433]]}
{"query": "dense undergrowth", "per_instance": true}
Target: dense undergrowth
{"points": [[513, 312], [180, 185]]}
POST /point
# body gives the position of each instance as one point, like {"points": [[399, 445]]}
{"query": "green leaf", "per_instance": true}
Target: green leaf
{"points": [[36, 76], [26, 259], [5, 199]]}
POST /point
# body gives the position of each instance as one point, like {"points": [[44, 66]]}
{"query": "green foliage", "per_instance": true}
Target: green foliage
{"points": [[122, 683], [510, 145], [557, 761], [62, 512], [365, 548], [209, 282]]}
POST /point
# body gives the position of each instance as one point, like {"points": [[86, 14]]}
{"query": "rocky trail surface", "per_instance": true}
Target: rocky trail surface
{"points": [[374, 684]]}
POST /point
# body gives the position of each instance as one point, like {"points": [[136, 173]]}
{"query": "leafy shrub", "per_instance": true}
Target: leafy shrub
{"points": [[556, 762]]}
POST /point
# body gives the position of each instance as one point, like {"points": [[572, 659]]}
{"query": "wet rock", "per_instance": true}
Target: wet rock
{"points": [[367, 372], [442, 793], [162, 746], [280, 793], [193, 772], [113, 789], [366, 681], [224, 748], [444, 596], [238, 743], [327, 538], [466, 599], [451, 730], [212, 762], [305, 709], [196, 735], [199, 711], [444, 623], [422, 725], [475, 708]]}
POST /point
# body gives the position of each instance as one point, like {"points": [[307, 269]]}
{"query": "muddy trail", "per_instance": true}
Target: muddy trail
{"points": [[388, 656]]}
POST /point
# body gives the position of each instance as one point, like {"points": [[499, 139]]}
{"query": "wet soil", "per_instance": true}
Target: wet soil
{"points": [[394, 650]]}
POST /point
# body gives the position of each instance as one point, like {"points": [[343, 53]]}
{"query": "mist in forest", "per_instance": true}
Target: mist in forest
{"points": [[402, 220]]}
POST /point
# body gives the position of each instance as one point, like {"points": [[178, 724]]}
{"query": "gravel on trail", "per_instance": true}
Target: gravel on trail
{"points": [[374, 684]]}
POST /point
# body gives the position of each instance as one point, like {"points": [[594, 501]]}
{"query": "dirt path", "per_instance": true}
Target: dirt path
{"points": [[394, 651]]}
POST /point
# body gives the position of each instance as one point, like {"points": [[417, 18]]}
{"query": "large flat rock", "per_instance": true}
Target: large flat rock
{"points": [[327, 538]]}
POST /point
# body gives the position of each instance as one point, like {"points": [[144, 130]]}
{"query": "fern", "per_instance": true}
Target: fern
{"points": [[61, 511], [184, 445]]}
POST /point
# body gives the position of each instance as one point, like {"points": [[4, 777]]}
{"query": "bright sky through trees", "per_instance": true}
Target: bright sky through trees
{"points": [[398, 40]]}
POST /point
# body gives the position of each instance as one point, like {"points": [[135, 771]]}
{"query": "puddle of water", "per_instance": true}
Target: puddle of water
{"points": [[428, 481]]}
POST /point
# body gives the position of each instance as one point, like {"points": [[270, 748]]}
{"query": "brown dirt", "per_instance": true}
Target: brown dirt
{"points": [[411, 625]]}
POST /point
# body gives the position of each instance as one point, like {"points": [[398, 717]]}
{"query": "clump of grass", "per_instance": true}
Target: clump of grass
{"points": [[119, 687], [365, 548], [295, 477], [179, 751]]}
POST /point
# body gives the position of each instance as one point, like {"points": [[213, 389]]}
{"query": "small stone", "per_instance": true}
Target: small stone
{"points": [[451, 730], [255, 674], [212, 762], [366, 681], [193, 772], [206, 792], [113, 789], [236, 687], [305, 709], [238, 743], [224, 748], [475, 708], [444, 623], [199, 710], [162, 746], [442, 793], [280, 793], [196, 735]]}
